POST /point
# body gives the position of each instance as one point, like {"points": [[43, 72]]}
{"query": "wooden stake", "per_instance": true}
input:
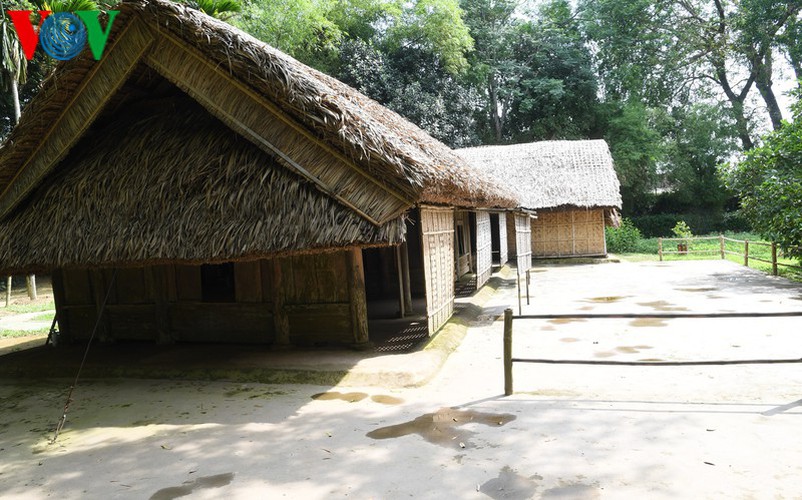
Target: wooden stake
{"points": [[746, 253], [721, 244], [508, 352], [359, 302], [31, 282], [774, 270]]}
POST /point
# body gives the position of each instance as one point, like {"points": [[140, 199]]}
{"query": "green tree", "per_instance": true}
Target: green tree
{"points": [[769, 184]]}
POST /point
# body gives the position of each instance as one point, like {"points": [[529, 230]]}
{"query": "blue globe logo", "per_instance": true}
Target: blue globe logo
{"points": [[62, 36]]}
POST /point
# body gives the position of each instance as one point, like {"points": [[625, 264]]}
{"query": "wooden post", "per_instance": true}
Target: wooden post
{"points": [[746, 253], [281, 322], [660, 248], [359, 302], [774, 270], [407, 281], [528, 279], [721, 244], [401, 305], [508, 352], [31, 282], [8, 291], [520, 311]]}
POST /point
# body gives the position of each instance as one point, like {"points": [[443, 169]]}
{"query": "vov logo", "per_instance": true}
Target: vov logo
{"points": [[63, 34]]}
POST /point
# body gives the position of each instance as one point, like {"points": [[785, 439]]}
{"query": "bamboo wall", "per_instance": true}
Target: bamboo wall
{"points": [[569, 233], [437, 231], [502, 228], [299, 300], [463, 258], [484, 248], [523, 239]]}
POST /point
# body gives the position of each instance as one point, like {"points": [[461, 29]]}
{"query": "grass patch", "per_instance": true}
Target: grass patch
{"points": [[646, 250], [11, 334], [47, 316], [28, 308]]}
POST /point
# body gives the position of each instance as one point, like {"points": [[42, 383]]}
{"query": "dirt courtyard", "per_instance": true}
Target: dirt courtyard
{"points": [[567, 432]]}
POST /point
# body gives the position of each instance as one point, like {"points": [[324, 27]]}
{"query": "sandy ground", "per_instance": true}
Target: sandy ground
{"points": [[567, 432]]}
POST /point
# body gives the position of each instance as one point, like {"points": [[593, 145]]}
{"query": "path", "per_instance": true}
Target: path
{"points": [[569, 432]]}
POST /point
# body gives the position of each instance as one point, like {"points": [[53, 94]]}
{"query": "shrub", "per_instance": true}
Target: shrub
{"points": [[623, 238], [681, 230]]}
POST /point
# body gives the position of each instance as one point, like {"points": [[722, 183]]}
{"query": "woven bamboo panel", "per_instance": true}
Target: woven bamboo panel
{"points": [[502, 238], [484, 249], [463, 243], [570, 233], [437, 231], [523, 242], [511, 248]]}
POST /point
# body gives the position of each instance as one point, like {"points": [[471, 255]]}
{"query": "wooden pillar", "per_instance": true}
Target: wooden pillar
{"points": [[31, 282], [508, 352], [157, 284], [9, 283], [59, 297], [405, 273], [746, 253], [401, 305], [281, 322], [99, 292], [359, 302]]}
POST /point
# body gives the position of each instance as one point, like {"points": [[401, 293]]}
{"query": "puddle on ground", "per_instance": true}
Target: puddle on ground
{"points": [[443, 427], [648, 322], [604, 354], [510, 484], [547, 328], [351, 397], [386, 400], [662, 305], [698, 289], [573, 490], [202, 483], [650, 360], [632, 349], [587, 308], [605, 300], [565, 321], [569, 339]]}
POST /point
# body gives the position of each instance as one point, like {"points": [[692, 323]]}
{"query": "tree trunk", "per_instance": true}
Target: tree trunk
{"points": [[742, 125], [764, 85], [494, 108]]}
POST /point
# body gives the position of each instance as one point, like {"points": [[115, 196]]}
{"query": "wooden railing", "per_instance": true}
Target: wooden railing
{"points": [[684, 248]]}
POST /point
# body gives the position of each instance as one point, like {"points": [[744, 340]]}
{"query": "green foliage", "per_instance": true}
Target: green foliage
{"points": [[222, 9], [769, 183], [681, 230], [623, 238]]}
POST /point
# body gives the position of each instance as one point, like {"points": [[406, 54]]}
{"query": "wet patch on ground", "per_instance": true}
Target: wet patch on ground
{"points": [[632, 349], [698, 289], [569, 340], [604, 354], [386, 400], [662, 306], [350, 397], [643, 322], [565, 321], [443, 427], [606, 300], [189, 487], [511, 485], [573, 490]]}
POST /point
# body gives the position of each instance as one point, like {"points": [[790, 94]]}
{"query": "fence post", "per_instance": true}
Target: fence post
{"points": [[8, 291], [508, 352], [746, 253], [721, 244], [660, 248], [519, 294], [774, 258]]}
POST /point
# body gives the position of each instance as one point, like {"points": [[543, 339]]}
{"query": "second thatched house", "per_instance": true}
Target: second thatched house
{"points": [[196, 184], [572, 185]]}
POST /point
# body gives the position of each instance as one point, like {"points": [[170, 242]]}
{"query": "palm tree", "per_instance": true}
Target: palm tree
{"points": [[221, 9], [13, 66]]}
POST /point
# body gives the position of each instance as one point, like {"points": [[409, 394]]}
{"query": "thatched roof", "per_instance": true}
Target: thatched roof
{"points": [[336, 143], [552, 174]]}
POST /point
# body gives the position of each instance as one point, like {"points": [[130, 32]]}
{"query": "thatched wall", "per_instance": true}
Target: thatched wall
{"points": [[168, 182], [569, 233]]}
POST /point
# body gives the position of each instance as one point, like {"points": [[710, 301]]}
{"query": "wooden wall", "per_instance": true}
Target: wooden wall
{"points": [[569, 233], [484, 249], [300, 300], [437, 237]]}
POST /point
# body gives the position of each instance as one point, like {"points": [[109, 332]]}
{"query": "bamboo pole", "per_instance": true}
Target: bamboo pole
{"points": [[401, 299], [405, 271], [774, 270], [508, 352], [528, 281], [8, 291], [31, 282], [660, 248], [721, 244], [520, 310]]}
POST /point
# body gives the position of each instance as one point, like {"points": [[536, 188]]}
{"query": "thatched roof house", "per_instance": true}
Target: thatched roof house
{"points": [[190, 143], [572, 185]]}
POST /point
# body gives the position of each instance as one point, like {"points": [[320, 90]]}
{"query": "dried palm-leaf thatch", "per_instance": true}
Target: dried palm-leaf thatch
{"points": [[201, 55], [170, 182], [552, 174]]}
